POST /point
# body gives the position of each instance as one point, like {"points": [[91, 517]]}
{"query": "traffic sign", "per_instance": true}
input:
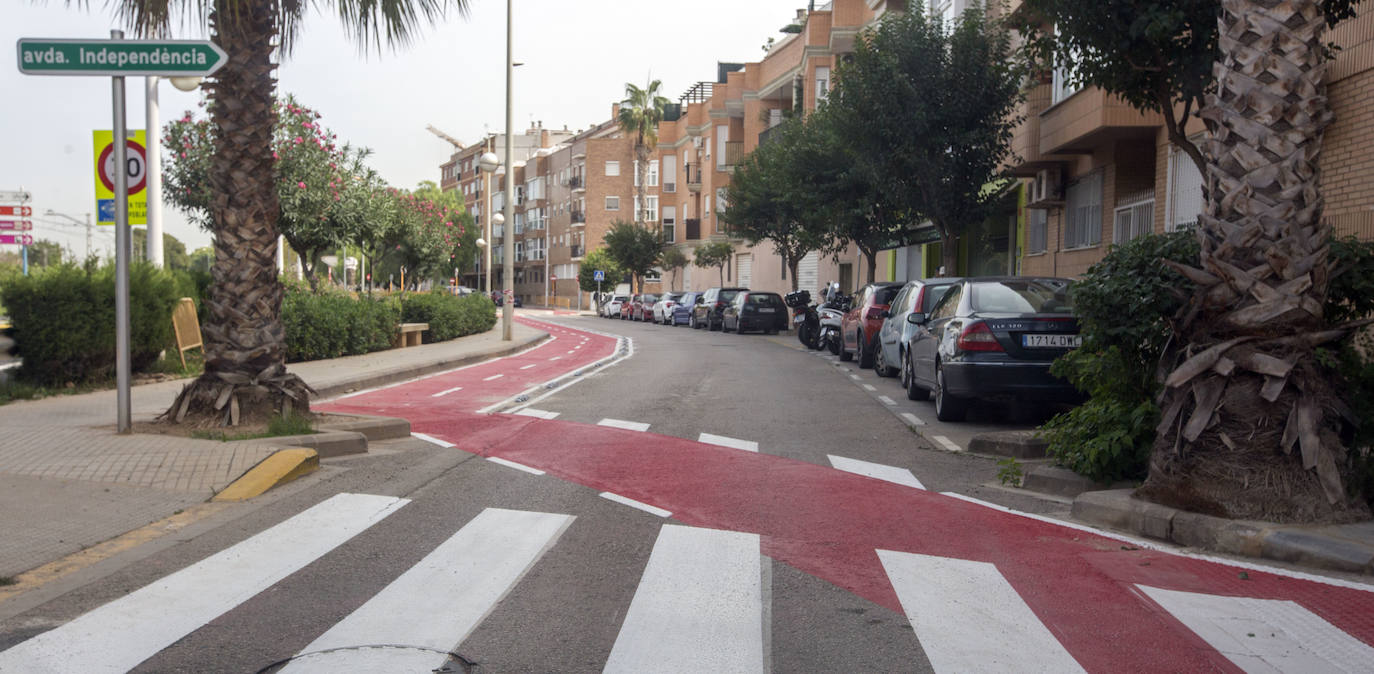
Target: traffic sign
{"points": [[16, 239], [136, 166], [598, 275], [16, 225], [135, 58], [21, 211], [21, 197]]}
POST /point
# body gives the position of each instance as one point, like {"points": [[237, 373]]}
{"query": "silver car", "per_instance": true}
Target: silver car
{"points": [[663, 308], [611, 309], [919, 295]]}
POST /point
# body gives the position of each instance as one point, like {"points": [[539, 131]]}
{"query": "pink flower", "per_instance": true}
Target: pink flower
{"points": [[183, 155], [301, 184], [398, 247], [298, 140], [274, 155]]}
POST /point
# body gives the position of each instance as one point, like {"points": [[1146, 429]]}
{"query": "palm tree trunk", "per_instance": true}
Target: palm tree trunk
{"points": [[1250, 426], [245, 346]]}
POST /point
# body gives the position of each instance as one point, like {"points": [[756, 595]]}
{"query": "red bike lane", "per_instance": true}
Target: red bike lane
{"points": [[1086, 588]]}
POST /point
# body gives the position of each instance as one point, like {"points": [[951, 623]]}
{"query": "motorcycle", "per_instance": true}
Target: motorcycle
{"points": [[830, 313], [804, 317]]}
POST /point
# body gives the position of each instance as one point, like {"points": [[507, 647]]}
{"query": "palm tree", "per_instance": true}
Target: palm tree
{"points": [[640, 113], [245, 347], [1251, 424]]}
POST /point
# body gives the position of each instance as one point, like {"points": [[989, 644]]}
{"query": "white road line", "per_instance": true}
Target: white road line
{"points": [[877, 471], [444, 393], [118, 636], [572, 350], [431, 439], [452, 589], [531, 412], [555, 358], [955, 606], [854, 376], [1266, 635], [746, 445], [699, 606], [623, 500], [886, 400], [577, 347], [867, 387], [915, 420], [495, 376], [627, 425], [526, 367], [949, 444], [512, 464]]}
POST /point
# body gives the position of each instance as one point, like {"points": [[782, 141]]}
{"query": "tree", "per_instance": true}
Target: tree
{"points": [[245, 342], [924, 115], [1251, 422], [45, 253], [715, 254], [599, 260], [634, 249], [1157, 55], [672, 259], [202, 259], [174, 251], [640, 113]]}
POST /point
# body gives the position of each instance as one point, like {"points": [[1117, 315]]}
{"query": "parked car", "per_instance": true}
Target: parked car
{"points": [[920, 295], [627, 307], [663, 308], [682, 311], [755, 310], [993, 338], [498, 301], [707, 314], [611, 309], [644, 307], [860, 325]]}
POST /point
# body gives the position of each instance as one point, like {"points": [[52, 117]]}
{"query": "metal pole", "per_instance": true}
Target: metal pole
{"points": [[486, 213], [508, 273], [89, 232], [24, 253], [122, 243], [154, 153]]}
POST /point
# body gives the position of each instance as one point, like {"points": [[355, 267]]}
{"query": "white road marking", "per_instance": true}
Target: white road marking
{"points": [[854, 376], [949, 444], [623, 500], [1266, 635], [877, 471], [968, 618], [512, 464], [555, 358], [444, 393], [453, 588], [432, 440], [699, 606], [746, 445], [572, 350], [541, 414], [915, 420], [867, 387], [886, 400], [495, 376], [627, 425], [577, 347], [526, 367], [118, 636]]}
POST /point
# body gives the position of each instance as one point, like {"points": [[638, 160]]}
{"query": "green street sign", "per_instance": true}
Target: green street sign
{"points": [[135, 58]]}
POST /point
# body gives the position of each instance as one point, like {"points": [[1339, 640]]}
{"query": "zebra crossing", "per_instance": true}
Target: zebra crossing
{"points": [[702, 603]]}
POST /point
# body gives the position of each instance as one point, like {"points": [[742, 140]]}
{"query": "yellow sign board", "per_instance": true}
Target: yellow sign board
{"points": [[137, 168]]}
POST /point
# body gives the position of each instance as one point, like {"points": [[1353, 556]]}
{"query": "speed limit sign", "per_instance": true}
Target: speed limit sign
{"points": [[135, 167]]}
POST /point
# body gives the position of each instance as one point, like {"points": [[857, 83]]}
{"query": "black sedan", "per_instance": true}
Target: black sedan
{"points": [[754, 310], [993, 338]]}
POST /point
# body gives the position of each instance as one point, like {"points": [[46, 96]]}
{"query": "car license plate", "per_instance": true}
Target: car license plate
{"points": [[801, 318], [1051, 341], [765, 310]]}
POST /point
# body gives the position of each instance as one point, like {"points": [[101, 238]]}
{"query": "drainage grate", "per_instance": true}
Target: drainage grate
{"points": [[454, 663]]}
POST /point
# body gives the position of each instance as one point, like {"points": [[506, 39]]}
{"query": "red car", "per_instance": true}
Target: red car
{"points": [[860, 325], [644, 307]]}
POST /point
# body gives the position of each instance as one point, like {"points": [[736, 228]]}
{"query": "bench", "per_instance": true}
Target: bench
{"points": [[409, 334]]}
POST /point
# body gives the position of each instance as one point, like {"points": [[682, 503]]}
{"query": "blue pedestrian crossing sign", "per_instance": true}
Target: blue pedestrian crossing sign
{"points": [[598, 275]]}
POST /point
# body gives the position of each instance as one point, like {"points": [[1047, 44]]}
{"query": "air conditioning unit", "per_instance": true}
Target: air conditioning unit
{"points": [[1046, 189]]}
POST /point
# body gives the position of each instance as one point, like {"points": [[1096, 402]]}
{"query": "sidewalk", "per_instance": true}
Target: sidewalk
{"points": [[68, 481]]}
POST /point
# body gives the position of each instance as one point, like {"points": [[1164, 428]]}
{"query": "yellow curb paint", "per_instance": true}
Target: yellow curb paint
{"points": [[280, 468], [52, 571]]}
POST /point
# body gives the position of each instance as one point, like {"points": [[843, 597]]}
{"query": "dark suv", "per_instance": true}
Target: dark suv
{"points": [[709, 313]]}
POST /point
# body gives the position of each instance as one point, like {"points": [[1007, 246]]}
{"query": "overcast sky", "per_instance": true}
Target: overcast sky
{"points": [[577, 55]]}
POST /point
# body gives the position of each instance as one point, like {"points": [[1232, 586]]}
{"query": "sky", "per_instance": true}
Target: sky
{"points": [[577, 58]]}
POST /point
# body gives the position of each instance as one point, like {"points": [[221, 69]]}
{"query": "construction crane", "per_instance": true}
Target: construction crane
{"points": [[452, 141]]}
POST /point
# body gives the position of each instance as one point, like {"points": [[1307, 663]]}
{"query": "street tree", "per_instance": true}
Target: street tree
{"points": [[174, 251], [45, 253], [245, 343], [715, 254], [599, 260], [1251, 425], [925, 112], [672, 259], [202, 259], [635, 249], [640, 113]]}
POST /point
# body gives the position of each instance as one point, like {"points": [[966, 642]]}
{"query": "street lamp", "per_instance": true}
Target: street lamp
{"points": [[154, 154], [51, 212], [488, 163], [508, 273]]}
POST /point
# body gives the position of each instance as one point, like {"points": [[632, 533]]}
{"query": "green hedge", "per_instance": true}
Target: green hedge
{"points": [[63, 321], [331, 324], [449, 316]]}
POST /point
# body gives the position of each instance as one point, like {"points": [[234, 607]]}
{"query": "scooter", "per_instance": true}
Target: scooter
{"points": [[804, 317], [830, 313]]}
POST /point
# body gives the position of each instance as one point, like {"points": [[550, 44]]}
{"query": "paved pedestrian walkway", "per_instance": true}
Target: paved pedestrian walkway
{"points": [[68, 481]]}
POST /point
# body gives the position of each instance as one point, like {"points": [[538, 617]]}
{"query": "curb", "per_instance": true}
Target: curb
{"points": [[281, 467], [624, 348], [1015, 444], [373, 427], [400, 374], [1064, 482], [327, 444], [1337, 547]]}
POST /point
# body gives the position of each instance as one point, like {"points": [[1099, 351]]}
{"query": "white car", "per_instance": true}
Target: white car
{"points": [[611, 309], [663, 308]]}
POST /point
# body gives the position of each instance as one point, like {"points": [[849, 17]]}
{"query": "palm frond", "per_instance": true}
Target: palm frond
{"points": [[372, 21]]}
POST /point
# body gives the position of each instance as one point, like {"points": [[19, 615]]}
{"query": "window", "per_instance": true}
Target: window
{"points": [[822, 85], [722, 136], [612, 203], [669, 224], [653, 173], [612, 168], [650, 208], [1083, 213], [1185, 192], [670, 173], [1133, 219], [1063, 84], [1037, 230], [948, 303], [636, 172]]}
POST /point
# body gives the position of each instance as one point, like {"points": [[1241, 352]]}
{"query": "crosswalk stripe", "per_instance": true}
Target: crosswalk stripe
{"points": [[698, 608], [1265, 635], [733, 443], [627, 425], [438, 602], [118, 636], [876, 470], [968, 618], [511, 464]]}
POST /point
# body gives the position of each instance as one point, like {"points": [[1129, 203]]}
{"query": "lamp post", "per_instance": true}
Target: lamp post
{"points": [[508, 273], [488, 163], [51, 212], [497, 220], [154, 153]]}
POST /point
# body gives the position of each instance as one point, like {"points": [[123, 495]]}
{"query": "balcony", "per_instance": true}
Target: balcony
{"points": [[734, 153], [577, 184], [579, 217], [692, 229], [1090, 119], [693, 177], [578, 251]]}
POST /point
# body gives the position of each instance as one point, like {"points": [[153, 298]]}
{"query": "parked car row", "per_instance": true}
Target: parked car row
{"points": [[725, 309]]}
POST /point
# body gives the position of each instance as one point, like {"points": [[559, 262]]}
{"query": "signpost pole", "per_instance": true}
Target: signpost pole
{"points": [[122, 245]]}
